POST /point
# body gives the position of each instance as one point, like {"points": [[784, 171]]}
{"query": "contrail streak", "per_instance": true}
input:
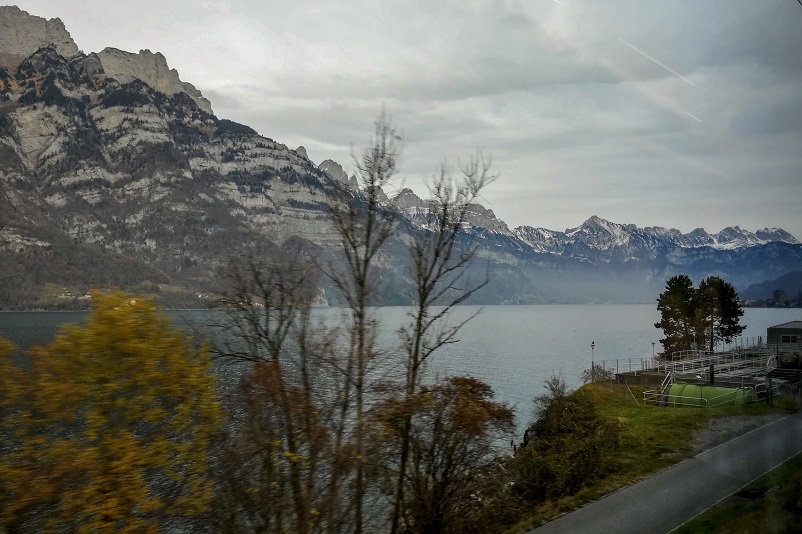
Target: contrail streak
{"points": [[647, 56]]}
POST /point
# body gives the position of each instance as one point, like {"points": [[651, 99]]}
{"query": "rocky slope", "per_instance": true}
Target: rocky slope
{"points": [[99, 159], [113, 171]]}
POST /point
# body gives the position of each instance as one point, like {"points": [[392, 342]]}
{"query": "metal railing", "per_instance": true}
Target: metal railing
{"points": [[750, 342], [751, 361], [682, 400], [688, 354], [630, 365], [667, 382], [755, 360], [753, 393]]}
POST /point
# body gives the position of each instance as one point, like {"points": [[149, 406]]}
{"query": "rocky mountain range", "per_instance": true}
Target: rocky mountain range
{"points": [[115, 172]]}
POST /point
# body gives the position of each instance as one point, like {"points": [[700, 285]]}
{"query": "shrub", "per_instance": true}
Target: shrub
{"points": [[28, 97], [127, 96], [225, 126], [597, 374], [568, 445]]}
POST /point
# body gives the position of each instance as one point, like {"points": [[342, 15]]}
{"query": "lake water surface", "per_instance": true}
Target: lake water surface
{"points": [[513, 348]]}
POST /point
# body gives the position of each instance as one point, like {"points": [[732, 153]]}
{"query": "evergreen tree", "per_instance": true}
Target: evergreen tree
{"points": [[676, 307], [718, 312], [708, 314]]}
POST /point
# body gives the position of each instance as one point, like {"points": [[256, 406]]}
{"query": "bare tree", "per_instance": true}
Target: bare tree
{"points": [[274, 470], [439, 262], [305, 445], [310, 454], [364, 224]]}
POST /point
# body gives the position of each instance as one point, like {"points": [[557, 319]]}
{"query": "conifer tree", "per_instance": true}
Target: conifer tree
{"points": [[676, 307], [705, 315], [718, 312]]}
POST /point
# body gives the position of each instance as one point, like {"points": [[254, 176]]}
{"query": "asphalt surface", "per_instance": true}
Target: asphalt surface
{"points": [[668, 499]]}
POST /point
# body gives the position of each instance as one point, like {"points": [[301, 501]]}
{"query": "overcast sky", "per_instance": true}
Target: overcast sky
{"points": [[671, 113]]}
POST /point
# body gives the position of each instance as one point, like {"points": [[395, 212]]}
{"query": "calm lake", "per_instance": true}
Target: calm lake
{"points": [[513, 348]]}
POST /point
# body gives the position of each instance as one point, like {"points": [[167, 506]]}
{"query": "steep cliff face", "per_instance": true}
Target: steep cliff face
{"points": [[128, 170], [150, 68], [22, 34], [336, 171]]}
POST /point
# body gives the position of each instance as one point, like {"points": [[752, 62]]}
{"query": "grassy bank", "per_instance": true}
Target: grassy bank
{"points": [[652, 438]]}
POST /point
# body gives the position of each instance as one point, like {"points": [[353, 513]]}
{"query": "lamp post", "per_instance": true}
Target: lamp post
{"points": [[653, 350], [592, 362]]}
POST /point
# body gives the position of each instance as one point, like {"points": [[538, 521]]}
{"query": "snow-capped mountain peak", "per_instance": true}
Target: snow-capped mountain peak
{"points": [[627, 240], [600, 234]]}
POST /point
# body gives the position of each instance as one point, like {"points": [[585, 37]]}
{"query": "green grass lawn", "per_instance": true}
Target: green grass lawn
{"points": [[771, 504], [652, 438]]}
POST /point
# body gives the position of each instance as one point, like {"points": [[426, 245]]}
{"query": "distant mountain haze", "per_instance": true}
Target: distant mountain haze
{"points": [[115, 172], [789, 283]]}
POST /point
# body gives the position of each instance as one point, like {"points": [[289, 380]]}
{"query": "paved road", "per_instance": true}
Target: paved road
{"points": [[668, 499]]}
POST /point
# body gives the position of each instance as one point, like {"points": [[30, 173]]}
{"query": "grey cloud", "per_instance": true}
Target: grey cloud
{"points": [[771, 38], [769, 116], [464, 78], [517, 21]]}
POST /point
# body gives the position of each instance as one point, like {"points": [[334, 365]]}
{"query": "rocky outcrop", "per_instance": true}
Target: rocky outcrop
{"points": [[301, 151], [336, 171], [150, 68], [22, 34], [408, 201], [478, 215]]}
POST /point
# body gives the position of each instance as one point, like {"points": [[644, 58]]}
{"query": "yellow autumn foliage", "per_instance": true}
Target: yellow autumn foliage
{"points": [[107, 428]]}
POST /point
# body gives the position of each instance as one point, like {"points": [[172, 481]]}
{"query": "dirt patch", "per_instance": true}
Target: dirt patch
{"points": [[722, 429]]}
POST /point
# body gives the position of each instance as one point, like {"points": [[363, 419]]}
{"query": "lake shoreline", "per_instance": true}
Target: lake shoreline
{"points": [[46, 310], [514, 349]]}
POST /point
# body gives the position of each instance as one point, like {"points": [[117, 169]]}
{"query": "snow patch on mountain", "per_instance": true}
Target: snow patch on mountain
{"points": [[602, 235]]}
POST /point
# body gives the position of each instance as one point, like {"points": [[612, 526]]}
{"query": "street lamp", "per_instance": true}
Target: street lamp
{"points": [[653, 350], [592, 362]]}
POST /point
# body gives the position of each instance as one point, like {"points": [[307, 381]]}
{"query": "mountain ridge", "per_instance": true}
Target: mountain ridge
{"points": [[602, 234], [790, 283], [97, 169], [593, 231]]}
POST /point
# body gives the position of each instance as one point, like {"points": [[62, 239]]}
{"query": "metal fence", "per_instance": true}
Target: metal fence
{"points": [[734, 363], [630, 365], [750, 394]]}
